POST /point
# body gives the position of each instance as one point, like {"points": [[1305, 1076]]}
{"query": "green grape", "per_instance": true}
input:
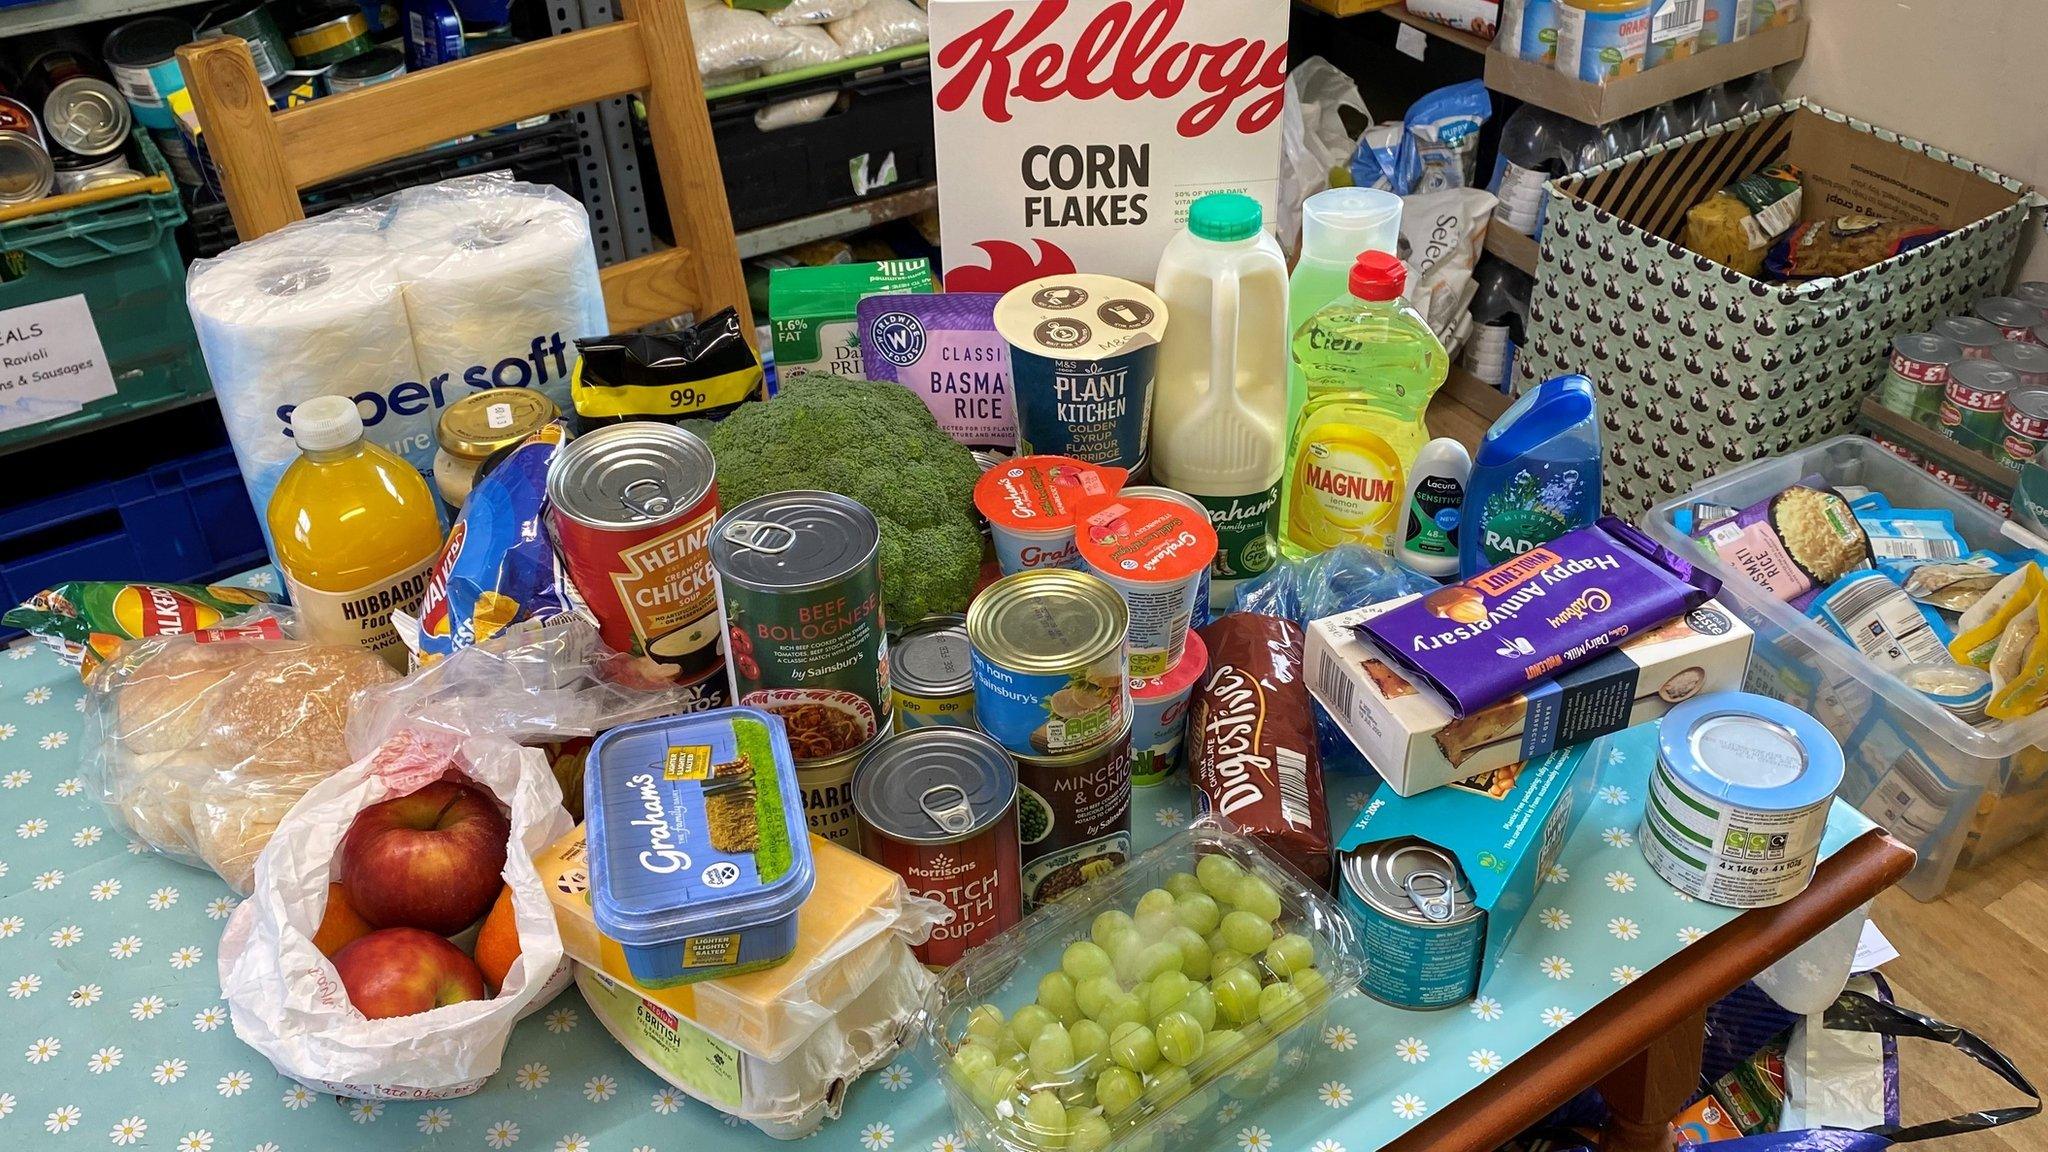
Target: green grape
{"points": [[1029, 1021], [1108, 926], [1182, 883], [1257, 897], [1199, 912], [1132, 1046], [969, 1061], [1312, 984], [1201, 1004], [986, 1024], [1125, 954], [1056, 995], [1157, 958], [1165, 1087], [1142, 991], [1194, 951], [1086, 1132], [1220, 1046], [1045, 1119], [1222, 960], [1118, 1090], [1007, 1049], [1290, 954], [1167, 991], [1218, 876], [1125, 1009], [1077, 1093], [1095, 993], [1245, 932], [1281, 1005], [994, 1086], [1091, 1041], [1179, 1036], [1155, 900], [1052, 1053], [1237, 995], [1085, 960]]}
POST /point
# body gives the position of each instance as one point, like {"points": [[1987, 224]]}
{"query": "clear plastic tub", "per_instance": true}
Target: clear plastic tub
{"points": [[1015, 1086], [1954, 793]]}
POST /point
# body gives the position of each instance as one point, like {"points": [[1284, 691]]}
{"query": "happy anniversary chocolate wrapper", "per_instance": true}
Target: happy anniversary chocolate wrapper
{"points": [[1556, 606]]}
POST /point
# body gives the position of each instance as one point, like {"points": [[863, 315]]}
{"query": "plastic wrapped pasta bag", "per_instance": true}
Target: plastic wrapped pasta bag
{"points": [[878, 26], [199, 744], [1339, 580], [800, 13], [814, 47], [731, 39]]}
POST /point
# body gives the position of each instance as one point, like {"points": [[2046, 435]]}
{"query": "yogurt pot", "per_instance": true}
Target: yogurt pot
{"points": [[1159, 712], [1154, 553], [699, 857], [1204, 599], [1028, 504], [1083, 352]]}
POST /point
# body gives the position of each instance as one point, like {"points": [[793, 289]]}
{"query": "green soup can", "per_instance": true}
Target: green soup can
{"points": [[800, 578], [1973, 409]]}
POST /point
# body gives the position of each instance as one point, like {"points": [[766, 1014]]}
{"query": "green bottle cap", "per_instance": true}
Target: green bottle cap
{"points": [[1225, 217]]}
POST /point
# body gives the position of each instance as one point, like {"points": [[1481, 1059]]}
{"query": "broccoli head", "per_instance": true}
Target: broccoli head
{"points": [[878, 444]]}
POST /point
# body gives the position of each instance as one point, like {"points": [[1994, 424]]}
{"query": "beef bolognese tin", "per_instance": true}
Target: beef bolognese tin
{"points": [[938, 807], [799, 575]]}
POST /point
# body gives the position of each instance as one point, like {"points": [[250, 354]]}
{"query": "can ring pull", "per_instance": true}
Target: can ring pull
{"points": [[1433, 893], [956, 817], [759, 536], [637, 497]]}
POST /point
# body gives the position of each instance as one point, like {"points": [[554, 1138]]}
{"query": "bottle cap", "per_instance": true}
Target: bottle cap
{"points": [[1226, 217], [1339, 223], [325, 423], [1378, 276]]}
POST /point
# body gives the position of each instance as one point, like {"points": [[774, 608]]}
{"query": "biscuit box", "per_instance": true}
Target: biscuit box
{"points": [[1075, 134], [1411, 737], [1504, 829]]}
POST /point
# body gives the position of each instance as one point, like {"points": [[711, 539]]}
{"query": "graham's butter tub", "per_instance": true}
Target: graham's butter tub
{"points": [[699, 858], [1159, 714], [1083, 352], [1029, 505]]}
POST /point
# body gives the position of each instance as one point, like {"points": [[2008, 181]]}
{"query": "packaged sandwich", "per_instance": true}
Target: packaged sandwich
{"points": [[86, 620], [201, 743]]}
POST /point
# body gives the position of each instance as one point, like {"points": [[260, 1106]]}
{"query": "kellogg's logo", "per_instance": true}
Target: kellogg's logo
{"points": [[1123, 53]]}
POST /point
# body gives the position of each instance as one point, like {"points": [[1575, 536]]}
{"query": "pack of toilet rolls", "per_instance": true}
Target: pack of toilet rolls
{"points": [[406, 303]]}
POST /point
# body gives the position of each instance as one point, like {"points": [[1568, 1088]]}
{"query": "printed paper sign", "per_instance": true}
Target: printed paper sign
{"points": [[51, 362], [1074, 134]]}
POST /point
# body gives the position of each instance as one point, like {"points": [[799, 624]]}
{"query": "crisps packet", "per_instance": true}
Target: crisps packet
{"points": [[1984, 624], [698, 373], [497, 570], [86, 620]]}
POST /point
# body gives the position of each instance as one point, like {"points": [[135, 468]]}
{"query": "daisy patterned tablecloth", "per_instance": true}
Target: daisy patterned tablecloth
{"points": [[115, 1033]]}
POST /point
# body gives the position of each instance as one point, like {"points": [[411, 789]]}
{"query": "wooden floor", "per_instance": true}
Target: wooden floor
{"points": [[1977, 958]]}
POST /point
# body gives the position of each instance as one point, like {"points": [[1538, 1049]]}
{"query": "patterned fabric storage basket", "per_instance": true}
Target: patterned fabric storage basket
{"points": [[1700, 367]]}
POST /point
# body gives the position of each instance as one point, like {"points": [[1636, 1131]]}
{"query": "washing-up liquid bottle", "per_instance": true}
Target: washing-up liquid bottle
{"points": [[355, 529], [1371, 365], [1219, 409], [1537, 475], [1435, 503], [1336, 225]]}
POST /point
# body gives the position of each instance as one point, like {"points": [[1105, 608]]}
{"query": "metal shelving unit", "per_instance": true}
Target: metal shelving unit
{"points": [[63, 13]]}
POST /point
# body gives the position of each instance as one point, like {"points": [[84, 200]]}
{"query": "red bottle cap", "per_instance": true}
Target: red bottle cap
{"points": [[1378, 276]]}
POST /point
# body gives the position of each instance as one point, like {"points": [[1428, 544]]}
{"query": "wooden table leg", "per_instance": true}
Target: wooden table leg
{"points": [[1647, 1091]]}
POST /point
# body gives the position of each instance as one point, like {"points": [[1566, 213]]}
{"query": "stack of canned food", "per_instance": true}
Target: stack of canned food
{"points": [[63, 126]]}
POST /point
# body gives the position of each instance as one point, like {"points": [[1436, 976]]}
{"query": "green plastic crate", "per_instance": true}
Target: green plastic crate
{"points": [[122, 256]]}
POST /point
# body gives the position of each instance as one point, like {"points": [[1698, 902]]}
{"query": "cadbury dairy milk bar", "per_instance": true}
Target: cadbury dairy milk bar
{"points": [[946, 350], [1558, 605]]}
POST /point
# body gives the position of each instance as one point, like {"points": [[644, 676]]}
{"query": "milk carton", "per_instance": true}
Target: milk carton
{"points": [[1073, 135]]}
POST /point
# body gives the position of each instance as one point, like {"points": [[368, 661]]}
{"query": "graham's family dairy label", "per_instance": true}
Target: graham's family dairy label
{"points": [[1079, 132]]}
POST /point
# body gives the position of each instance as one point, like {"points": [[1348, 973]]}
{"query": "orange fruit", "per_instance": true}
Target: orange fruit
{"points": [[339, 924], [497, 942]]}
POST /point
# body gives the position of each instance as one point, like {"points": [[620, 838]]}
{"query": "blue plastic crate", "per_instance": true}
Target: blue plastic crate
{"points": [[182, 521]]}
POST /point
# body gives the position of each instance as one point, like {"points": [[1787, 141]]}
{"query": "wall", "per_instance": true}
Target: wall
{"points": [[1967, 75]]}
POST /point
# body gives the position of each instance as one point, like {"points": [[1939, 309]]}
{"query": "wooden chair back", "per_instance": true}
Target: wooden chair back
{"points": [[266, 159]]}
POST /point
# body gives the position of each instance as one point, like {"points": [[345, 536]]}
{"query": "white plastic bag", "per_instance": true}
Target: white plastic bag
{"points": [[814, 46], [801, 12], [1441, 234], [730, 39], [1313, 137], [287, 1001], [879, 26]]}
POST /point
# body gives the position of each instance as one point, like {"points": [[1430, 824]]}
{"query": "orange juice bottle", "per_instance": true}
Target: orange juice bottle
{"points": [[355, 529]]}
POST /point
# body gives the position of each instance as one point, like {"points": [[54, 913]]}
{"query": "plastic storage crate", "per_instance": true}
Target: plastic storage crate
{"points": [[1955, 794], [877, 139], [543, 154], [122, 256], [184, 520]]}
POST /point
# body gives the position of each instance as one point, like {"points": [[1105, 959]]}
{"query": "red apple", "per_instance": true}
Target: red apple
{"points": [[402, 971], [432, 860]]}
